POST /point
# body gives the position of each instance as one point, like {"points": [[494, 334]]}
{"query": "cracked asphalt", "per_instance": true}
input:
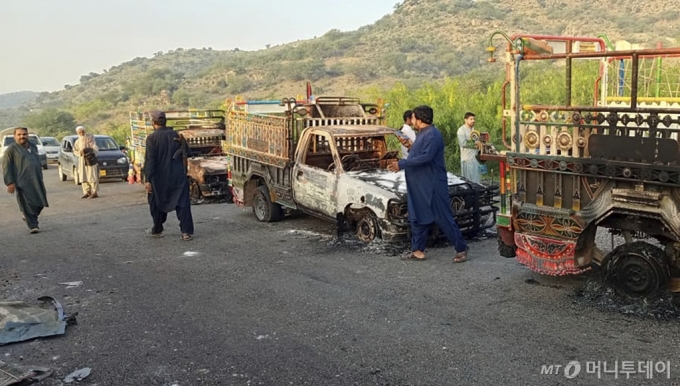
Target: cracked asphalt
{"points": [[248, 303]]}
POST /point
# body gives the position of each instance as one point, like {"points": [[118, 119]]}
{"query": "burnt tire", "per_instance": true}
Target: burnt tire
{"points": [[195, 194], [366, 228], [637, 269], [506, 250], [263, 208]]}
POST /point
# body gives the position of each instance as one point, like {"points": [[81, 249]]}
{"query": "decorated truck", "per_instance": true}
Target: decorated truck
{"points": [[203, 131], [328, 157], [604, 162]]}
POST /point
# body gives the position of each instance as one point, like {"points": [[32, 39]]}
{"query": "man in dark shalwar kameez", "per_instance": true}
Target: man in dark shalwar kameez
{"points": [[22, 174], [167, 185], [427, 187]]}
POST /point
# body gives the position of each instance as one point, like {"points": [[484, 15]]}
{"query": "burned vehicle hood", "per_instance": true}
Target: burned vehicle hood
{"points": [[200, 166], [396, 182]]}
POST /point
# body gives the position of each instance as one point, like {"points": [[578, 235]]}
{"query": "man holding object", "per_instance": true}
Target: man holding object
{"points": [[427, 187]]}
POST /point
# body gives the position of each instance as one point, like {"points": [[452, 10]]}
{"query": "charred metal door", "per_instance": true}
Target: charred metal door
{"points": [[314, 176]]}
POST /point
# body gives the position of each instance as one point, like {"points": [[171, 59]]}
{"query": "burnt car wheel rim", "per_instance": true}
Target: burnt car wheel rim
{"points": [[366, 229]]}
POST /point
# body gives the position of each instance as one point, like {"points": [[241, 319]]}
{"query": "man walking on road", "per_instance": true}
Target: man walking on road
{"points": [[22, 174], [89, 174], [167, 185], [427, 188]]}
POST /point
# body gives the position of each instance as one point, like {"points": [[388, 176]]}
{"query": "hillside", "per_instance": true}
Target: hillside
{"points": [[16, 99], [421, 40]]}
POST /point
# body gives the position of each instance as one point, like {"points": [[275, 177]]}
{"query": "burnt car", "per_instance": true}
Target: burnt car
{"points": [[113, 164]]}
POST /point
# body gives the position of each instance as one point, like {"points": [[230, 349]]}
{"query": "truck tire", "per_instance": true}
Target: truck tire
{"points": [[637, 269], [263, 208], [504, 249]]}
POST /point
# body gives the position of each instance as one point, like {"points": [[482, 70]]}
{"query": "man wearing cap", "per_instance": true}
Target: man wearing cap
{"points": [[23, 176], [167, 185], [89, 174]]}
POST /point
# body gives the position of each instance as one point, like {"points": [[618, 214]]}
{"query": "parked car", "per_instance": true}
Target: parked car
{"points": [[113, 163], [51, 146], [34, 139]]}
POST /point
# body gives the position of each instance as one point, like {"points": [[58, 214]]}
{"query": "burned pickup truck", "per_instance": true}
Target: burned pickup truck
{"points": [[328, 158], [203, 131]]}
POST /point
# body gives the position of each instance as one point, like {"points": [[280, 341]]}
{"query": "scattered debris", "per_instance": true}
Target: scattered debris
{"points": [[260, 337], [190, 254], [78, 375], [596, 292], [20, 322], [72, 284], [18, 376]]}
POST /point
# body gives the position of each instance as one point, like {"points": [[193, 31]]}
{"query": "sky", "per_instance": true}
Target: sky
{"points": [[47, 44]]}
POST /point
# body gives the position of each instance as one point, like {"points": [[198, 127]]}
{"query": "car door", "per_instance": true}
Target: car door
{"points": [[315, 177], [66, 157]]}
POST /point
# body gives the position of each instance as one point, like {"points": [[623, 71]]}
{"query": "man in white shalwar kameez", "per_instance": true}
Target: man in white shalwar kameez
{"points": [[89, 175], [468, 150]]}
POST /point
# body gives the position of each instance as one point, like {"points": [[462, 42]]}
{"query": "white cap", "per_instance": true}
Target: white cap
{"points": [[79, 128]]}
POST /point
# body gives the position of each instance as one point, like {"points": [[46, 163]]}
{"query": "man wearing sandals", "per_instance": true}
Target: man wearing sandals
{"points": [[167, 186], [427, 187]]}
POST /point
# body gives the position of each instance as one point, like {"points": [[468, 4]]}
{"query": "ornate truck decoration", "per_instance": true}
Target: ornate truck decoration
{"points": [[204, 132], [611, 161]]}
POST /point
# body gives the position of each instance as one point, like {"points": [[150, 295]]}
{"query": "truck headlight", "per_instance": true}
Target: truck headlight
{"points": [[122, 160], [41, 151]]}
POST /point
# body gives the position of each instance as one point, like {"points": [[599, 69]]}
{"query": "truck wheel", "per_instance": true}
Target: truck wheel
{"points": [[195, 192], [263, 207], [62, 176], [504, 249], [637, 269], [367, 228]]}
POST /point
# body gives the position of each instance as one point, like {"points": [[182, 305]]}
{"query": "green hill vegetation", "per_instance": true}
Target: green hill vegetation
{"points": [[424, 51]]}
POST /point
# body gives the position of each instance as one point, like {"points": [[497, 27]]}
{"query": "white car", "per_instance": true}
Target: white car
{"points": [[34, 139]]}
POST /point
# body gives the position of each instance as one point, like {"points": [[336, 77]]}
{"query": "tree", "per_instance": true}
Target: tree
{"points": [[50, 122]]}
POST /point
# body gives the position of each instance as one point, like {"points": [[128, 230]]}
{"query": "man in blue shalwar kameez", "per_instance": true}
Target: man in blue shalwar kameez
{"points": [[427, 187]]}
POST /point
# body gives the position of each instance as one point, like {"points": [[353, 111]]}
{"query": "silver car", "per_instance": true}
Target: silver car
{"points": [[51, 146]]}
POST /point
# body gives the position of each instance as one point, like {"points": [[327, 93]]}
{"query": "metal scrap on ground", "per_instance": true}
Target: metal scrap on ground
{"points": [[20, 322], [17, 376]]}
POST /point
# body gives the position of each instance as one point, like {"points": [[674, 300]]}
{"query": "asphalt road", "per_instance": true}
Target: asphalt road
{"points": [[247, 303]]}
